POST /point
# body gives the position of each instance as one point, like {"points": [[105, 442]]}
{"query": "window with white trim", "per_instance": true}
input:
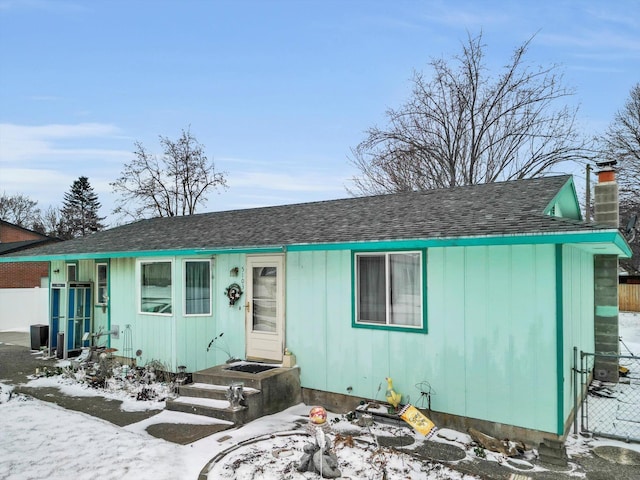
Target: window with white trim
{"points": [[389, 289], [156, 293], [197, 287], [72, 268], [102, 287]]}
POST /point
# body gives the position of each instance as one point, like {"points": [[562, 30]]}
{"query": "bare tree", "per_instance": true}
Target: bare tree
{"points": [[463, 126], [51, 223], [621, 142], [173, 185], [19, 210]]}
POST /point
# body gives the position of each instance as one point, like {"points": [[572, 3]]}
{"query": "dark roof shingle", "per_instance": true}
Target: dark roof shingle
{"points": [[477, 210]]}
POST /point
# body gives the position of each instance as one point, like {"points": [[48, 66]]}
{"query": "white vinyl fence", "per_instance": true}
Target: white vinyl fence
{"points": [[22, 307]]}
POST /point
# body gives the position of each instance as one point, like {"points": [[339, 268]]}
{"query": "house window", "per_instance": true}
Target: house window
{"points": [[389, 289], [155, 287], [102, 290], [71, 272], [197, 287]]}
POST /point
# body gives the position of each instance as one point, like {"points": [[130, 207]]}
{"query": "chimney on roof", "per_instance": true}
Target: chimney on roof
{"points": [[606, 195], [606, 277]]}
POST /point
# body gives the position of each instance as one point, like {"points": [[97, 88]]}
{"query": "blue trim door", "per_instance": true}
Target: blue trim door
{"points": [[55, 317], [79, 316]]}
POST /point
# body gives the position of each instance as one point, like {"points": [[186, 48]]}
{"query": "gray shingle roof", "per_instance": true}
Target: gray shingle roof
{"points": [[11, 247], [503, 208]]}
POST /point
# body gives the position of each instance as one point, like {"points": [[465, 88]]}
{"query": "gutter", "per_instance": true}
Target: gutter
{"points": [[609, 236]]}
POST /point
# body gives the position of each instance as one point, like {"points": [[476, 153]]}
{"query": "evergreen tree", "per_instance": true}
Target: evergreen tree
{"points": [[80, 210]]}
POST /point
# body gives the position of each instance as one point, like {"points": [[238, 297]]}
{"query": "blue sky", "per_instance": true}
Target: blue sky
{"points": [[277, 91]]}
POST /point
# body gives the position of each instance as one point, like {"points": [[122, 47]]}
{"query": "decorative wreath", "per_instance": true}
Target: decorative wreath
{"points": [[233, 292]]}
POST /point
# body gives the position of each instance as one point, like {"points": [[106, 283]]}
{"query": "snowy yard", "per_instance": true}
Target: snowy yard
{"points": [[41, 440], [614, 409]]}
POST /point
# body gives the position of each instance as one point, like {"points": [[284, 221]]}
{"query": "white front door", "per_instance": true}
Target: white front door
{"points": [[265, 307]]}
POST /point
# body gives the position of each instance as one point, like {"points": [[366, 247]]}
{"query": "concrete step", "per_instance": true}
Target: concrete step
{"points": [[210, 408], [265, 392], [222, 375], [208, 390]]}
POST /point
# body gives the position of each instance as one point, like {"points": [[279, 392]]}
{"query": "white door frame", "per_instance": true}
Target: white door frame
{"points": [[265, 340]]}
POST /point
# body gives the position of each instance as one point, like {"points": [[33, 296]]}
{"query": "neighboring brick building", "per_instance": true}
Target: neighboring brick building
{"points": [[21, 275]]}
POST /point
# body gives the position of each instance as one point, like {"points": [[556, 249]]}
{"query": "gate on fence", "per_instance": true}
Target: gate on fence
{"points": [[609, 409]]}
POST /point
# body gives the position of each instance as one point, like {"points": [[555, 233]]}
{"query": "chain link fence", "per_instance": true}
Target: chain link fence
{"points": [[609, 408]]}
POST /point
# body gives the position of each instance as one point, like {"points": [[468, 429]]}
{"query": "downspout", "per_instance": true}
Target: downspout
{"points": [[559, 342]]}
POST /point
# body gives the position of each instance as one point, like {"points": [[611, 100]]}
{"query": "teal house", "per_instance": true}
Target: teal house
{"points": [[482, 291]]}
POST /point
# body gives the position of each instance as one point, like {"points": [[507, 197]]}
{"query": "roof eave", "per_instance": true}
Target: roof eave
{"points": [[142, 254], [608, 242], [605, 241]]}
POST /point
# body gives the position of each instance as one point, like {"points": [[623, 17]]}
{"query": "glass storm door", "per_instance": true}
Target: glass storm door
{"points": [[55, 318], [265, 308], [79, 315]]}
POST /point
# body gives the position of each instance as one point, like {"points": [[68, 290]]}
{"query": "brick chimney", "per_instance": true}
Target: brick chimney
{"points": [[606, 277], [606, 196]]}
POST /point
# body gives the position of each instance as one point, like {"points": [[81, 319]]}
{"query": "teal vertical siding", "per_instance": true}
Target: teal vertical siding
{"points": [[153, 335], [174, 339], [492, 345], [447, 309], [122, 303], [195, 332], [491, 313], [182, 340], [578, 315]]}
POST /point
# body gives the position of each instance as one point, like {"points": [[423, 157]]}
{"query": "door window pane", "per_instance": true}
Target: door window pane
{"points": [[264, 298]]}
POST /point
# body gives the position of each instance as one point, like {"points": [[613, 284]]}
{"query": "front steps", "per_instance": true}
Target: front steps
{"points": [[266, 392]]}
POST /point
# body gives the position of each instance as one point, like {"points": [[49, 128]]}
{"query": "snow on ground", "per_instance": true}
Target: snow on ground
{"points": [[629, 333], [75, 384], [41, 440]]}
